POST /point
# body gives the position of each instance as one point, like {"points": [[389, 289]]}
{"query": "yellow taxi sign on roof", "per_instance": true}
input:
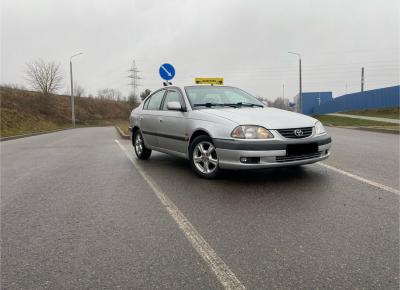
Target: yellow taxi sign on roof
{"points": [[209, 81]]}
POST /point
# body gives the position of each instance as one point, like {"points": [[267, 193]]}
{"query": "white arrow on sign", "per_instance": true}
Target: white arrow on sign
{"points": [[168, 73]]}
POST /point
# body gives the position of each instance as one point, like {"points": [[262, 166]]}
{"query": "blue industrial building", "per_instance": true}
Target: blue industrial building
{"points": [[315, 103]]}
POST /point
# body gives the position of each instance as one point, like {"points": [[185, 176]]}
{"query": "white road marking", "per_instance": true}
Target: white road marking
{"points": [[362, 179], [225, 275]]}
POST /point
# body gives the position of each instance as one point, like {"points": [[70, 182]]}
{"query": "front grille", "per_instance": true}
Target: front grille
{"points": [[297, 157], [301, 132]]}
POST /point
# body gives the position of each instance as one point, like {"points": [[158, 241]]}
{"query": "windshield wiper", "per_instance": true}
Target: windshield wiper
{"points": [[240, 104], [209, 105]]}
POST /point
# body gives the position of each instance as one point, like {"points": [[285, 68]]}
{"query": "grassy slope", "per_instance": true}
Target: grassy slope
{"points": [[26, 112], [391, 113], [15, 123]]}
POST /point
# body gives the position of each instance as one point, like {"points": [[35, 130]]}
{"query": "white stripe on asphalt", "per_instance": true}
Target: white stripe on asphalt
{"points": [[225, 275], [362, 179]]}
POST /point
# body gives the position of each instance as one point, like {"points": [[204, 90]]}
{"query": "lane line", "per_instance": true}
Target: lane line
{"points": [[362, 179], [225, 275]]}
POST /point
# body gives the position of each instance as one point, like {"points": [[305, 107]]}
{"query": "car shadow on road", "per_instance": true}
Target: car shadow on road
{"points": [[174, 167]]}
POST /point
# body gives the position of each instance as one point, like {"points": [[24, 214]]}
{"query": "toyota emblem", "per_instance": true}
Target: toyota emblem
{"points": [[298, 132]]}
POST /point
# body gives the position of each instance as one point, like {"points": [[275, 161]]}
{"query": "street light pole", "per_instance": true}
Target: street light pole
{"points": [[72, 90], [300, 106]]}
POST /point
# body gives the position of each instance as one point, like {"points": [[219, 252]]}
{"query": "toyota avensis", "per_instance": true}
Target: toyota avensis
{"points": [[222, 127]]}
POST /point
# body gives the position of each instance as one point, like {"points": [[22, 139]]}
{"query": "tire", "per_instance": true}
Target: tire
{"points": [[141, 151], [203, 157]]}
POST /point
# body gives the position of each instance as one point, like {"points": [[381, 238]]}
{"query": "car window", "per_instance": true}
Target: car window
{"points": [[172, 96], [155, 101], [146, 103]]}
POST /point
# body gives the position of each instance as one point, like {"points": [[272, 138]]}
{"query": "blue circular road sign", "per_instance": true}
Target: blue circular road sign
{"points": [[167, 71]]}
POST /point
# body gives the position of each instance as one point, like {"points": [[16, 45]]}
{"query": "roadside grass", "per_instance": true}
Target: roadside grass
{"points": [[390, 113], [352, 122], [124, 126], [18, 123]]}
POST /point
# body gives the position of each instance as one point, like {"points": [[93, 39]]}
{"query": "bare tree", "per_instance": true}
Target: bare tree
{"points": [[110, 94], [45, 76], [79, 91], [264, 101], [13, 86], [281, 103], [144, 94]]}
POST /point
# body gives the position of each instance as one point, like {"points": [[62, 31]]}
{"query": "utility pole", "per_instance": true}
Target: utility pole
{"points": [[72, 90], [134, 76], [362, 79], [300, 101], [283, 93], [300, 86]]}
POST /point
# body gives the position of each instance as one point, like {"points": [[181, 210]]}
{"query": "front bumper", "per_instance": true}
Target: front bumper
{"points": [[271, 153]]}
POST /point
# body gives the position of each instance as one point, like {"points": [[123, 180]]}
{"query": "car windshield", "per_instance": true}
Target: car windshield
{"points": [[201, 97]]}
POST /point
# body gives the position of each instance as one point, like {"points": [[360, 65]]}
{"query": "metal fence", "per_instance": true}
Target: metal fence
{"points": [[372, 99], [313, 99]]}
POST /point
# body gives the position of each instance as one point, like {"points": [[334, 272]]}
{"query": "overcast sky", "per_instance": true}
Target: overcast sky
{"points": [[246, 42]]}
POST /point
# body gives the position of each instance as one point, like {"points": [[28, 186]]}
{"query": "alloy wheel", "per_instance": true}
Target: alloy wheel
{"points": [[205, 157], [139, 144]]}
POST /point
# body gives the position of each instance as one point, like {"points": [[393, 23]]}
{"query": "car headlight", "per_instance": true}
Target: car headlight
{"points": [[319, 128], [251, 132]]}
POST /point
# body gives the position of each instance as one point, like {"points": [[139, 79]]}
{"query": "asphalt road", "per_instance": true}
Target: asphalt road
{"points": [[76, 213]]}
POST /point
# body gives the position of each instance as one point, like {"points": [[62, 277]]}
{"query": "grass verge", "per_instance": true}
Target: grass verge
{"points": [[390, 113], [357, 123], [124, 126], [345, 121]]}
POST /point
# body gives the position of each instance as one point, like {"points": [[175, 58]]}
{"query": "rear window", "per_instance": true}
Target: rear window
{"points": [[155, 101]]}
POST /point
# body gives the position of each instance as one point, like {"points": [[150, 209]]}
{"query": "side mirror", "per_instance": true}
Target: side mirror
{"points": [[174, 106]]}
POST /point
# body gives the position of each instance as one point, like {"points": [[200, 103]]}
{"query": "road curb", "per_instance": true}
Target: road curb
{"points": [[122, 134], [30, 134], [377, 130]]}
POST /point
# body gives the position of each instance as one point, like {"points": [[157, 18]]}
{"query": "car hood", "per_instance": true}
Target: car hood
{"points": [[270, 118]]}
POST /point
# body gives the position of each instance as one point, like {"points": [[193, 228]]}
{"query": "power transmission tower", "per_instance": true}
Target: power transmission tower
{"points": [[134, 83]]}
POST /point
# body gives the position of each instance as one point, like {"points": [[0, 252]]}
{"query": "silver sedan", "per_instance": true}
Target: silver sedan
{"points": [[222, 127]]}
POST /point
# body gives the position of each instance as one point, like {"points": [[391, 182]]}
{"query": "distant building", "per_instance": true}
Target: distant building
{"points": [[315, 103]]}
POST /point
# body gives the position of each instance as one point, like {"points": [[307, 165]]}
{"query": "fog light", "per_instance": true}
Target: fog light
{"points": [[250, 160]]}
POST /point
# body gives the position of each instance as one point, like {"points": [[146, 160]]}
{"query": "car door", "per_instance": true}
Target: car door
{"points": [[149, 118], [172, 133]]}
